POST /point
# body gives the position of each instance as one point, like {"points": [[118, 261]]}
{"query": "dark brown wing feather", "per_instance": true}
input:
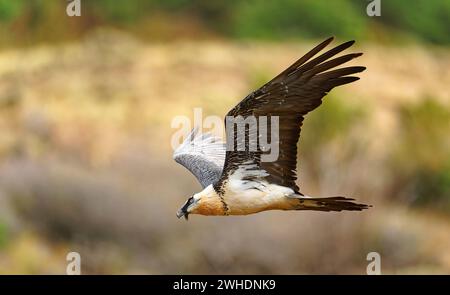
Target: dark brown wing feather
{"points": [[291, 95]]}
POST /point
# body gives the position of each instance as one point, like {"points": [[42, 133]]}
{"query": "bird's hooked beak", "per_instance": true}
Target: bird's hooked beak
{"points": [[181, 213], [184, 210]]}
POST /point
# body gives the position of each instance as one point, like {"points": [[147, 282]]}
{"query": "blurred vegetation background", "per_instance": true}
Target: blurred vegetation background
{"points": [[85, 158], [25, 22]]}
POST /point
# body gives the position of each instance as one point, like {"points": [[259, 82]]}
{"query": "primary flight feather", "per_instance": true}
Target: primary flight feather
{"points": [[235, 180]]}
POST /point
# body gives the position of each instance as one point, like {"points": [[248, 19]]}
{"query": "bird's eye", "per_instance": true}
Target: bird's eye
{"points": [[191, 200]]}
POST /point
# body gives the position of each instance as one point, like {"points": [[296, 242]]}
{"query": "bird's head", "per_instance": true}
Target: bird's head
{"points": [[206, 202]]}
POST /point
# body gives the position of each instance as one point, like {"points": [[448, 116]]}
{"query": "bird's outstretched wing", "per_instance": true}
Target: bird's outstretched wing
{"points": [[203, 155], [291, 95]]}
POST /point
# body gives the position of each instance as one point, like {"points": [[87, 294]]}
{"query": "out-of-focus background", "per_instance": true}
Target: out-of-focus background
{"points": [[86, 104]]}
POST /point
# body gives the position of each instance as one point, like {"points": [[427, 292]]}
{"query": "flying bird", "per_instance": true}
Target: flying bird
{"points": [[236, 181]]}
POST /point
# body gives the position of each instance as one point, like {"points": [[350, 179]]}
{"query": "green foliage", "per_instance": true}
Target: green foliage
{"points": [[328, 129], [422, 154], [118, 11], [3, 234], [10, 9], [433, 187], [293, 19], [330, 121], [427, 20], [424, 135]]}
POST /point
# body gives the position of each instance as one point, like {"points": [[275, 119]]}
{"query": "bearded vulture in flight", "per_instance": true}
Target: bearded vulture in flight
{"points": [[236, 181]]}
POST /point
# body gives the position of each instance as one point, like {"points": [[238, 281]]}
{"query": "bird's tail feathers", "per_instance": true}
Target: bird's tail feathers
{"points": [[330, 204]]}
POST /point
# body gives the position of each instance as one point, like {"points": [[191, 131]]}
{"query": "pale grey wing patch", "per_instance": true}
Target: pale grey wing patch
{"points": [[203, 155], [204, 170]]}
